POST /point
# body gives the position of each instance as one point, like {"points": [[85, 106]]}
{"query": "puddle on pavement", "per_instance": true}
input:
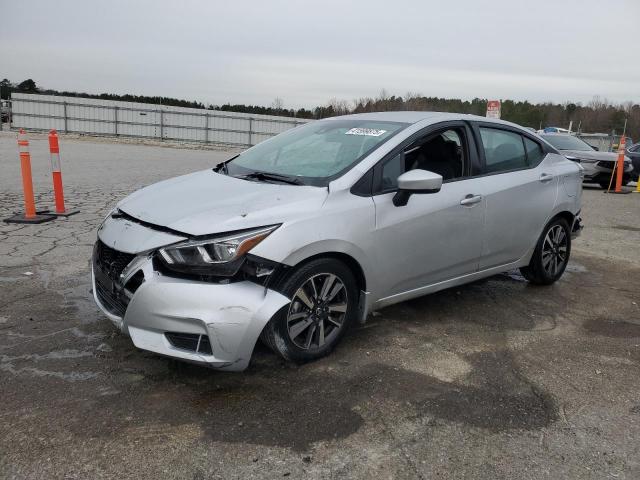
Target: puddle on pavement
{"points": [[294, 407], [495, 397]]}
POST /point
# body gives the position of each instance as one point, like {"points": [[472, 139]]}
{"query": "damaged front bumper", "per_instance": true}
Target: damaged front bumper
{"points": [[164, 313], [213, 324]]}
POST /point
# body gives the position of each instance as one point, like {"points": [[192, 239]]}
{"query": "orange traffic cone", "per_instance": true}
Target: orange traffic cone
{"points": [[56, 174], [619, 169]]}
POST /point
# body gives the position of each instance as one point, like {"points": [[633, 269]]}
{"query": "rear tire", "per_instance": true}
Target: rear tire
{"points": [[551, 255], [324, 303]]}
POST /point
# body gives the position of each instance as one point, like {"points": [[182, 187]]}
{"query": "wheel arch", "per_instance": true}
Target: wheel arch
{"points": [[349, 253], [562, 213], [345, 258], [567, 215]]}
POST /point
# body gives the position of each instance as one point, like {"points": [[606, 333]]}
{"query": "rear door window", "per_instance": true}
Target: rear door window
{"points": [[534, 152], [503, 150]]}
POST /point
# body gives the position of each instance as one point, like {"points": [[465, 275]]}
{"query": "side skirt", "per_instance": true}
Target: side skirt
{"points": [[454, 282]]}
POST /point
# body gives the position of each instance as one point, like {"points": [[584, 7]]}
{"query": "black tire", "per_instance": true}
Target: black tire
{"points": [[549, 259], [276, 334]]}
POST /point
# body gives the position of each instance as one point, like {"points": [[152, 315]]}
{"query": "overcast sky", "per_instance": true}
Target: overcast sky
{"points": [[307, 52]]}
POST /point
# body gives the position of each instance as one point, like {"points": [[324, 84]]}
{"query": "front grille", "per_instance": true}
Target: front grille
{"points": [[112, 261], [108, 264], [190, 341], [607, 165], [115, 303]]}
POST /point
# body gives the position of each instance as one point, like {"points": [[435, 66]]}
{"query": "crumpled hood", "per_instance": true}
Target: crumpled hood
{"points": [[206, 202], [593, 155]]}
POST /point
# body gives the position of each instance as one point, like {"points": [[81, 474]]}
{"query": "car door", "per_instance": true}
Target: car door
{"points": [[519, 186], [436, 236]]}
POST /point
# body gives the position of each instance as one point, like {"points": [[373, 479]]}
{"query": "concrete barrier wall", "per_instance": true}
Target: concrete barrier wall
{"points": [[128, 119]]}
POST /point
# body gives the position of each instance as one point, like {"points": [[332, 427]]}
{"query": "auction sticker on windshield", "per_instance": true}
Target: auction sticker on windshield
{"points": [[369, 132]]}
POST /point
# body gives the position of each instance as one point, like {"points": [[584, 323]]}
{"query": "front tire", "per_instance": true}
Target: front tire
{"points": [[551, 255], [324, 303]]}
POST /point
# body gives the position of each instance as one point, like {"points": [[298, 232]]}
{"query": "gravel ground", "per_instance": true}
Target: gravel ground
{"points": [[497, 379]]}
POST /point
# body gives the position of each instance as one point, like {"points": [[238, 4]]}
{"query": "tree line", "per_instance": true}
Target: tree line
{"points": [[597, 115]]}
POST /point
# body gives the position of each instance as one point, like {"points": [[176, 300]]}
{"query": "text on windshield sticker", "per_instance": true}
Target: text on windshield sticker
{"points": [[369, 132]]}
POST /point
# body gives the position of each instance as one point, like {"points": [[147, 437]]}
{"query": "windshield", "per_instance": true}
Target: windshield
{"points": [[316, 152], [567, 142]]}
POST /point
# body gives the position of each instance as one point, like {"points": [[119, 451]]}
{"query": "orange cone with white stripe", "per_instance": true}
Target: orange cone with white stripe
{"points": [[56, 173]]}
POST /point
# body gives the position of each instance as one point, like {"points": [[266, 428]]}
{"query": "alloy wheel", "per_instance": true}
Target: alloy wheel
{"points": [[554, 250], [317, 311]]}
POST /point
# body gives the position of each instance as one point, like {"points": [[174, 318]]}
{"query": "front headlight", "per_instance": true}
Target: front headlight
{"points": [[216, 256]]}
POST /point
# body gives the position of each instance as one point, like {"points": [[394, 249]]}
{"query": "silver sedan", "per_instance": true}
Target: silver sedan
{"points": [[302, 235]]}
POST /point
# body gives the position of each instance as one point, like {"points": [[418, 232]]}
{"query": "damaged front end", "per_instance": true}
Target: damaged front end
{"points": [[180, 296]]}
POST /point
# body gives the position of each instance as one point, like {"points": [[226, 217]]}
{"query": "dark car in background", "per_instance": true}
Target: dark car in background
{"points": [[5, 111], [598, 166], [633, 152]]}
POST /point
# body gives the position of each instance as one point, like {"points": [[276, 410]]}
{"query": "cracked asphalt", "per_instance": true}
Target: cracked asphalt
{"points": [[497, 379]]}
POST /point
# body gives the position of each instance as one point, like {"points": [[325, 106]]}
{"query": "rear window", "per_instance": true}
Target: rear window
{"points": [[534, 152], [502, 150]]}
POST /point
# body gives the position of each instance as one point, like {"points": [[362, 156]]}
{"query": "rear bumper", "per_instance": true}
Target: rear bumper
{"points": [[230, 316]]}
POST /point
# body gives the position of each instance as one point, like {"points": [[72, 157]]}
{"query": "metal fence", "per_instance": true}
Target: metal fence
{"points": [[128, 119]]}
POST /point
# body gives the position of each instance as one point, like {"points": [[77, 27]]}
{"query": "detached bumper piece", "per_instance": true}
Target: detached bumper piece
{"points": [[577, 227]]}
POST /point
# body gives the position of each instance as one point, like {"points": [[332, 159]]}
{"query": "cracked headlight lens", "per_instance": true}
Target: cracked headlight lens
{"points": [[216, 256]]}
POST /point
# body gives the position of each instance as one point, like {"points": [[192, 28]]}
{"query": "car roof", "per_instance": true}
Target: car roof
{"points": [[412, 117]]}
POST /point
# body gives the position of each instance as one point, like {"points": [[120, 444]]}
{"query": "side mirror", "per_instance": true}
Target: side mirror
{"points": [[416, 181]]}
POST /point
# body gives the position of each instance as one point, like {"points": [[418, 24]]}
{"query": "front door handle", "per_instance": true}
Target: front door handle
{"points": [[470, 200], [546, 177]]}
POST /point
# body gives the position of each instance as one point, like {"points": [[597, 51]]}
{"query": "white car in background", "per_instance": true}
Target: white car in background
{"points": [[302, 235], [598, 166]]}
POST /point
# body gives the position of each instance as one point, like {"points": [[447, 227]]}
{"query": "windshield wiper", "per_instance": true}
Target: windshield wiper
{"points": [[273, 177], [222, 166]]}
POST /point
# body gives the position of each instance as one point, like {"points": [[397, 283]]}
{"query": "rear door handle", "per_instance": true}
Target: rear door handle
{"points": [[546, 177], [471, 200]]}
